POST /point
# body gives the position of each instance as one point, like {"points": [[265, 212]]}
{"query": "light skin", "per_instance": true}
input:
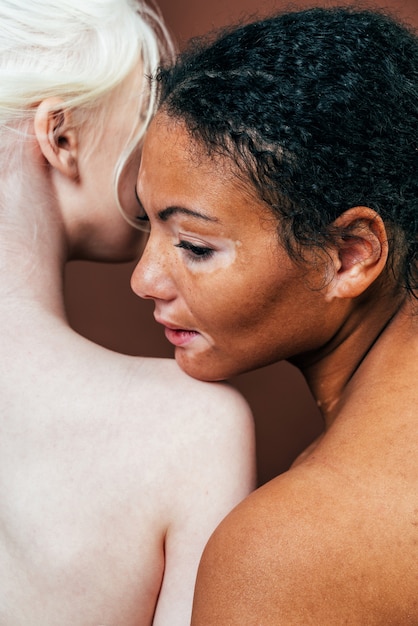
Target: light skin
{"points": [[81, 170], [114, 470], [333, 540]]}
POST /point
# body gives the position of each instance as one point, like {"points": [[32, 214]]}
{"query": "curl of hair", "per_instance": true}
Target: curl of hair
{"points": [[79, 51], [319, 111]]}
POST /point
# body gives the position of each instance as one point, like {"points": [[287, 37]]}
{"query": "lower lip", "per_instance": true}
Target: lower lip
{"points": [[180, 337]]}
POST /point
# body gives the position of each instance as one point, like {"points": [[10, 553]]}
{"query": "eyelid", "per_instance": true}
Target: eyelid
{"points": [[142, 223], [196, 252], [140, 205]]}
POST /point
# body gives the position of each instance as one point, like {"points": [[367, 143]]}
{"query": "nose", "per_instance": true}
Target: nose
{"points": [[151, 278]]}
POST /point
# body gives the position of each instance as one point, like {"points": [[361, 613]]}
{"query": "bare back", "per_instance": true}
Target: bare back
{"points": [[110, 474]]}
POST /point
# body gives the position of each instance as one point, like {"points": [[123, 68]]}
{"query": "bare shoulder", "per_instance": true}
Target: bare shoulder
{"points": [[202, 459], [148, 415], [167, 375], [155, 388], [153, 460], [194, 434], [166, 421], [179, 400], [310, 548]]}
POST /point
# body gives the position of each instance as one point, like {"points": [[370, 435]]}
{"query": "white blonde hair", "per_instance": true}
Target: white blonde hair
{"points": [[79, 51]]}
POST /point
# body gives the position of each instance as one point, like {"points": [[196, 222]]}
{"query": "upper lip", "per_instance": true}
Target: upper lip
{"points": [[167, 324]]}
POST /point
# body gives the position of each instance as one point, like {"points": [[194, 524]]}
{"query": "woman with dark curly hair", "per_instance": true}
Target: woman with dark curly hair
{"points": [[279, 181]]}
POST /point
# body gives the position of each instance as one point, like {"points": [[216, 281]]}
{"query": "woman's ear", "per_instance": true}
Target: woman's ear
{"points": [[56, 137], [359, 254]]}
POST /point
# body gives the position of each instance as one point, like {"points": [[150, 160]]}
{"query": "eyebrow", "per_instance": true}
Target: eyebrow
{"points": [[165, 214]]}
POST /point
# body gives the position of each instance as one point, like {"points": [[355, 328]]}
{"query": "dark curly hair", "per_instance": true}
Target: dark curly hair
{"points": [[319, 110]]}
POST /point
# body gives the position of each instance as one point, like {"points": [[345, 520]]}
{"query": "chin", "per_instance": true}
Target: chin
{"points": [[207, 371], [211, 369]]}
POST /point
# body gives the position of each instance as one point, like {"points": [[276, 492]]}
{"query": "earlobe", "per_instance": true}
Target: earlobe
{"points": [[56, 137], [360, 253]]}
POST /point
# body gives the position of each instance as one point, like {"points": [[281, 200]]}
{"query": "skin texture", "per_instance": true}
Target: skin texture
{"points": [[334, 539], [114, 470], [189, 288]]}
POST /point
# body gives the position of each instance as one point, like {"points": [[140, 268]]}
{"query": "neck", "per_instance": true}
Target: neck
{"points": [[330, 372], [32, 277], [33, 247]]}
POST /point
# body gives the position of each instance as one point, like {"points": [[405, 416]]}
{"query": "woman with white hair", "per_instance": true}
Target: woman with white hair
{"points": [[114, 470]]}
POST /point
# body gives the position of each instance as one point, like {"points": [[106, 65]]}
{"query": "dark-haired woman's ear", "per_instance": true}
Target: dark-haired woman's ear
{"points": [[56, 137], [360, 253]]}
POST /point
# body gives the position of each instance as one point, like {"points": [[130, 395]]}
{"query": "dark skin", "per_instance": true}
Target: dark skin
{"points": [[345, 515], [334, 540]]}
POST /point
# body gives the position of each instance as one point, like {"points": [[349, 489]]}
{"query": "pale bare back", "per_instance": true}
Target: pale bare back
{"points": [[114, 470], [110, 468]]}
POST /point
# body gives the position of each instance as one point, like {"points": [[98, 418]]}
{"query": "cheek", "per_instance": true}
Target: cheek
{"points": [[212, 288], [237, 300]]}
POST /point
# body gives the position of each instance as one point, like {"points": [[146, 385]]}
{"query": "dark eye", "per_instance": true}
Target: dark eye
{"points": [[200, 253]]}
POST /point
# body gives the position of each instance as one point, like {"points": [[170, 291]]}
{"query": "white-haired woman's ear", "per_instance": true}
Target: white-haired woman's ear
{"points": [[57, 136]]}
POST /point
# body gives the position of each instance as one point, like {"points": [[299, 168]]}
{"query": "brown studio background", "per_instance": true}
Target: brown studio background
{"points": [[102, 307]]}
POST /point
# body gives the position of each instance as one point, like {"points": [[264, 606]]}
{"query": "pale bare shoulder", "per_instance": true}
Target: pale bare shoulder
{"points": [[184, 431], [311, 547], [172, 384], [199, 413], [202, 449], [201, 439], [126, 466]]}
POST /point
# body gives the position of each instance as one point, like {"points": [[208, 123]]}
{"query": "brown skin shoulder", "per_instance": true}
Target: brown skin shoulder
{"points": [[314, 546]]}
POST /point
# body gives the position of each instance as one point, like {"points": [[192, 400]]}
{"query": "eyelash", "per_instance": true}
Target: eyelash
{"points": [[196, 253], [142, 223]]}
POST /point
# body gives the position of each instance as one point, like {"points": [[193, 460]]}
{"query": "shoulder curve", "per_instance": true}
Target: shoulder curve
{"points": [[299, 551], [249, 569], [165, 380], [207, 418]]}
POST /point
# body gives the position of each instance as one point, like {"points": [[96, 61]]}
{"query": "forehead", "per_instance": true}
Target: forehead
{"points": [[169, 142], [173, 161]]}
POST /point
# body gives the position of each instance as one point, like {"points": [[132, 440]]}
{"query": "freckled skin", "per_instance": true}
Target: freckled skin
{"points": [[248, 300]]}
